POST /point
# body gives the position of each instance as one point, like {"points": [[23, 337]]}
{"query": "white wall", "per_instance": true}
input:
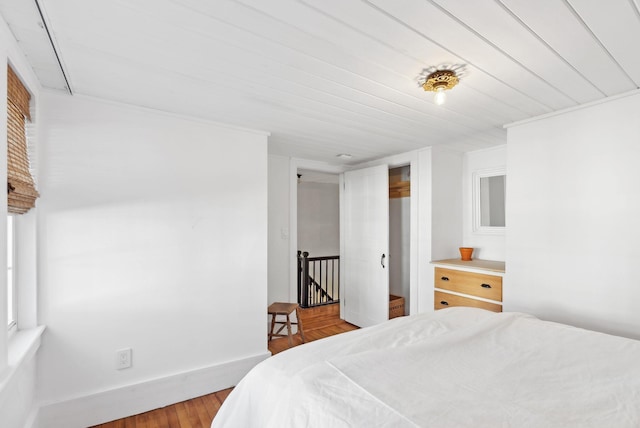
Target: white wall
{"points": [[486, 245], [319, 219], [446, 203], [440, 222], [16, 405], [279, 229], [573, 204], [17, 353], [152, 235]]}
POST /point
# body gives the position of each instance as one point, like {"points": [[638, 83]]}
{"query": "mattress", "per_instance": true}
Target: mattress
{"points": [[457, 367]]}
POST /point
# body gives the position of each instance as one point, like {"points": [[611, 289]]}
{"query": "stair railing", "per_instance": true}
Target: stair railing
{"points": [[318, 280]]}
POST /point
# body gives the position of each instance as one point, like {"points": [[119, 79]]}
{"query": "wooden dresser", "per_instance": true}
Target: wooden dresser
{"points": [[476, 283]]}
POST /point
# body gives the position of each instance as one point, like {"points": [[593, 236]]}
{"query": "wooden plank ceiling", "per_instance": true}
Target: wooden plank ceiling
{"points": [[329, 77]]}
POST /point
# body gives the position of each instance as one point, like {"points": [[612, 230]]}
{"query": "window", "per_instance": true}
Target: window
{"points": [[11, 288], [21, 190]]}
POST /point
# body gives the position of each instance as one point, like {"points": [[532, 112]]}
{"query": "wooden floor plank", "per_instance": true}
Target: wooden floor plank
{"points": [[158, 419], [142, 420], [183, 415], [130, 422], [200, 410], [206, 403], [213, 403], [172, 417], [318, 323], [222, 395]]}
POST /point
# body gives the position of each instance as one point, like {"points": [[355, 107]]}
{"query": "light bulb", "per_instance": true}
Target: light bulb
{"points": [[440, 97]]}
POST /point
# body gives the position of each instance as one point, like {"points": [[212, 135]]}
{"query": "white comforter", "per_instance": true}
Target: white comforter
{"points": [[457, 367]]}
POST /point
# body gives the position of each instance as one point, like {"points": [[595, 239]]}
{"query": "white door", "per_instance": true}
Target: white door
{"points": [[366, 246]]}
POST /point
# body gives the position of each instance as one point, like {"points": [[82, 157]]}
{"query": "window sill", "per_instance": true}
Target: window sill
{"points": [[23, 345]]}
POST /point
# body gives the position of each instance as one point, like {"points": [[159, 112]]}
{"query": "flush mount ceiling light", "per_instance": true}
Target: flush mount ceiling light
{"points": [[438, 82], [440, 79], [344, 156]]}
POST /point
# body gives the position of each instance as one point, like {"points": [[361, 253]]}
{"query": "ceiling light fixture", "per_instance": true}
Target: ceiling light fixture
{"points": [[441, 78], [344, 156], [438, 82]]}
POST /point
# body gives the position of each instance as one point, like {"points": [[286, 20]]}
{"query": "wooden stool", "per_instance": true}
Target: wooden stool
{"points": [[279, 308]]}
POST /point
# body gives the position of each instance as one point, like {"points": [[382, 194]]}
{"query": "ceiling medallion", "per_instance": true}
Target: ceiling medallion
{"points": [[440, 79]]}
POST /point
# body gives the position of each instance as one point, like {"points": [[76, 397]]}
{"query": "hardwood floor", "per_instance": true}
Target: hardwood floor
{"points": [[318, 323], [195, 413]]}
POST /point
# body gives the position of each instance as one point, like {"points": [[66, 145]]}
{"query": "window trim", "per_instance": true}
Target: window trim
{"points": [[11, 285]]}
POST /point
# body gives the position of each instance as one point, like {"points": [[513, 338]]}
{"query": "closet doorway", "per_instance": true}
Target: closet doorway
{"points": [[400, 235], [376, 244]]}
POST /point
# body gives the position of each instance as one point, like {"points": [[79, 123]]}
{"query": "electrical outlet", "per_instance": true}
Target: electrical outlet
{"points": [[123, 358]]}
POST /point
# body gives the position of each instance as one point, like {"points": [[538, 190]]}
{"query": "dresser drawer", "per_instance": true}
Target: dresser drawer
{"points": [[474, 284], [445, 300]]}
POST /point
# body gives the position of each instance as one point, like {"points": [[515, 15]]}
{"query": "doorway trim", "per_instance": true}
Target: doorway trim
{"points": [[294, 165]]}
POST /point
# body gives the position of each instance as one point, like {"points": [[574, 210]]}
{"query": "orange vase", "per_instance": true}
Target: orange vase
{"points": [[465, 253]]}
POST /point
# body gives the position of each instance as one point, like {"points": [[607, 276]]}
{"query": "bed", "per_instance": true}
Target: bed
{"points": [[457, 367]]}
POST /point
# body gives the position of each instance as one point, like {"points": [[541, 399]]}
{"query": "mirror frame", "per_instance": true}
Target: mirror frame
{"points": [[477, 226]]}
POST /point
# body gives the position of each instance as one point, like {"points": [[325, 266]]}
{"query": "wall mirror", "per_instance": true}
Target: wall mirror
{"points": [[489, 191]]}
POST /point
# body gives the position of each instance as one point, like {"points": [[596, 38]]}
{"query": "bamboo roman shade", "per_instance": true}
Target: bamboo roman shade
{"points": [[22, 193]]}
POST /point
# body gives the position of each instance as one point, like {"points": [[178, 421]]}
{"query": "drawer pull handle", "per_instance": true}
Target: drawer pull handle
{"points": [[444, 302], [485, 286], [444, 278]]}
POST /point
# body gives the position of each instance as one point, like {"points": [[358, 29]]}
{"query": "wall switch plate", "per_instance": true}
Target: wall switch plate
{"points": [[123, 358]]}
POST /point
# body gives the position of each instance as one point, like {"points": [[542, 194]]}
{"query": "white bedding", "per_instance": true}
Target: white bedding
{"points": [[457, 367]]}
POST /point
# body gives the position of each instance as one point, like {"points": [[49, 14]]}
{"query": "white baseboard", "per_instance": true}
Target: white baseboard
{"points": [[130, 400]]}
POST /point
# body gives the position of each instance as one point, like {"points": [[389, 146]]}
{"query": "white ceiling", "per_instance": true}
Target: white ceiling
{"points": [[338, 76]]}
